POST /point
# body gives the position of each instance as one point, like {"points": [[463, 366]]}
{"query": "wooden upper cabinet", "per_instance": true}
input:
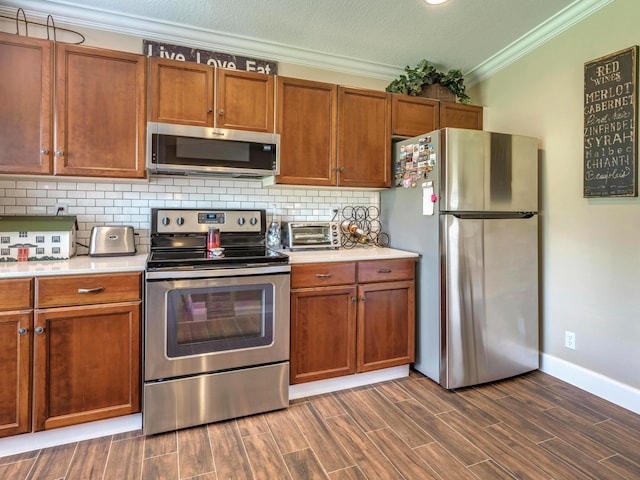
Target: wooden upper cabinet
{"points": [[26, 105], [306, 122], [244, 100], [458, 115], [413, 116], [180, 92], [364, 138], [100, 112]]}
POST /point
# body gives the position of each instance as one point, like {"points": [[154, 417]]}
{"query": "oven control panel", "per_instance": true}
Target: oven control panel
{"points": [[200, 221]]}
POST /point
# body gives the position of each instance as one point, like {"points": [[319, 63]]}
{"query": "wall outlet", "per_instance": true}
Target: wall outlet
{"points": [[61, 209], [570, 340]]}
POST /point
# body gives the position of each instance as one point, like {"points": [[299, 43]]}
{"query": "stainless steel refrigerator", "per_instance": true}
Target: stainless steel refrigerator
{"points": [[467, 202]]}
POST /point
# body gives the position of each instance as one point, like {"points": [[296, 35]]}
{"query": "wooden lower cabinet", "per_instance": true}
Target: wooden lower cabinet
{"points": [[15, 372], [351, 317], [67, 365], [86, 364], [386, 313], [323, 332]]}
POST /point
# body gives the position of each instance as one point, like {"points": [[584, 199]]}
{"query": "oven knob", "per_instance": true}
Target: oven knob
{"points": [[165, 221], [180, 221], [241, 221], [253, 220]]}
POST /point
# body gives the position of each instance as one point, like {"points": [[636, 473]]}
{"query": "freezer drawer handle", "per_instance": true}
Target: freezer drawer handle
{"points": [[91, 290], [324, 275], [385, 270]]}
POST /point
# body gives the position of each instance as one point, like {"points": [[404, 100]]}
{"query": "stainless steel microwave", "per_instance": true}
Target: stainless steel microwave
{"points": [[311, 235], [183, 150]]}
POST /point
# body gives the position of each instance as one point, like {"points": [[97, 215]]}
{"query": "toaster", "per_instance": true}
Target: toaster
{"points": [[112, 241]]}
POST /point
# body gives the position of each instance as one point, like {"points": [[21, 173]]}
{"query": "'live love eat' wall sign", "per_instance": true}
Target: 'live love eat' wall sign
{"points": [[610, 106], [207, 57]]}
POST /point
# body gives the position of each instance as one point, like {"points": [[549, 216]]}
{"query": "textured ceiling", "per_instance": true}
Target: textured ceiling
{"points": [[382, 34]]}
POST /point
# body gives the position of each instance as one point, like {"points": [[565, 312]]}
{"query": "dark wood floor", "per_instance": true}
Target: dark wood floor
{"points": [[530, 427]]}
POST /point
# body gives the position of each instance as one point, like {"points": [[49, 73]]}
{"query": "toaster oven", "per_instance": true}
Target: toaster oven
{"points": [[311, 235]]}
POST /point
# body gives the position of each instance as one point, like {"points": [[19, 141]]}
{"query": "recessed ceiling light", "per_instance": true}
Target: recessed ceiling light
{"points": [[435, 2]]}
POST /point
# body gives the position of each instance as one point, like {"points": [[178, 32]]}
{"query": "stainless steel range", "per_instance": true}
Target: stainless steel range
{"points": [[216, 319]]}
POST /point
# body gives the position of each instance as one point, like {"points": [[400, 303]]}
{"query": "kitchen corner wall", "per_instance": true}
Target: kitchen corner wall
{"points": [[130, 203]]}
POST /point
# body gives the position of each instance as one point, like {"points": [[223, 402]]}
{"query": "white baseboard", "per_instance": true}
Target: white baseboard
{"points": [[349, 381], [61, 436], [604, 387]]}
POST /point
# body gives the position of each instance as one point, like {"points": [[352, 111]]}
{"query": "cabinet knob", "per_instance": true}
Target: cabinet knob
{"points": [[341, 169], [44, 151], [354, 299], [362, 298], [59, 153], [221, 111], [22, 331], [209, 110], [39, 330]]}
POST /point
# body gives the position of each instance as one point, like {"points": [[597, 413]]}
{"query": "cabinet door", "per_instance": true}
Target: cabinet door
{"points": [[458, 115], [306, 122], [25, 96], [100, 112], [180, 92], [323, 328], [86, 364], [386, 319], [364, 138], [413, 116], [244, 100], [15, 373]]}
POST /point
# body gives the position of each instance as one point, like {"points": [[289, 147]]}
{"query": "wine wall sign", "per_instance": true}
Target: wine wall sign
{"points": [[610, 109]]}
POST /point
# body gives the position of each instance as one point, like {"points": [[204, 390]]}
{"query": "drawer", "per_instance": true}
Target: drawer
{"points": [[386, 270], [323, 274], [71, 290], [16, 294]]}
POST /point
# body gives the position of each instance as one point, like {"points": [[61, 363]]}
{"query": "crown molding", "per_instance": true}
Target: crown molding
{"points": [[563, 20], [169, 32], [176, 33]]}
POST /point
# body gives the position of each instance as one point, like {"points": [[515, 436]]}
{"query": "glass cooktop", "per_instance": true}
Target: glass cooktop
{"points": [[229, 256]]}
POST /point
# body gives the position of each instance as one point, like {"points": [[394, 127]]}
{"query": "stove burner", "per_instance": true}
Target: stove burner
{"points": [[178, 239]]}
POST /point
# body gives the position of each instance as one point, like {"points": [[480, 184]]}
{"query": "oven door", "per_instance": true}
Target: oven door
{"points": [[218, 322]]}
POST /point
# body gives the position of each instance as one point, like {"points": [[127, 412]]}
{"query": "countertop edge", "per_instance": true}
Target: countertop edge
{"points": [[78, 265], [347, 255]]}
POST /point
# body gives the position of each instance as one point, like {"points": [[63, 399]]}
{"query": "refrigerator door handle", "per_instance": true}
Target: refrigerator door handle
{"points": [[489, 215]]}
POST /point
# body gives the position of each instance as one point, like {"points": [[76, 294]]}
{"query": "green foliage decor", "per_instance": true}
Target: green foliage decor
{"points": [[425, 73]]}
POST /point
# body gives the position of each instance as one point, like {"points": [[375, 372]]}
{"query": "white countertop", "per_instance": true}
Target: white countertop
{"points": [[347, 255], [75, 265], [84, 264]]}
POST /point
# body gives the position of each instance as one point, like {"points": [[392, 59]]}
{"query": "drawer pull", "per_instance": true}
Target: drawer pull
{"points": [[324, 275], [385, 270], [39, 330], [22, 331], [91, 290]]}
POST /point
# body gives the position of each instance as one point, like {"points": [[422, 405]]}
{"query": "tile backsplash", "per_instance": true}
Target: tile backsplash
{"points": [[130, 203]]}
